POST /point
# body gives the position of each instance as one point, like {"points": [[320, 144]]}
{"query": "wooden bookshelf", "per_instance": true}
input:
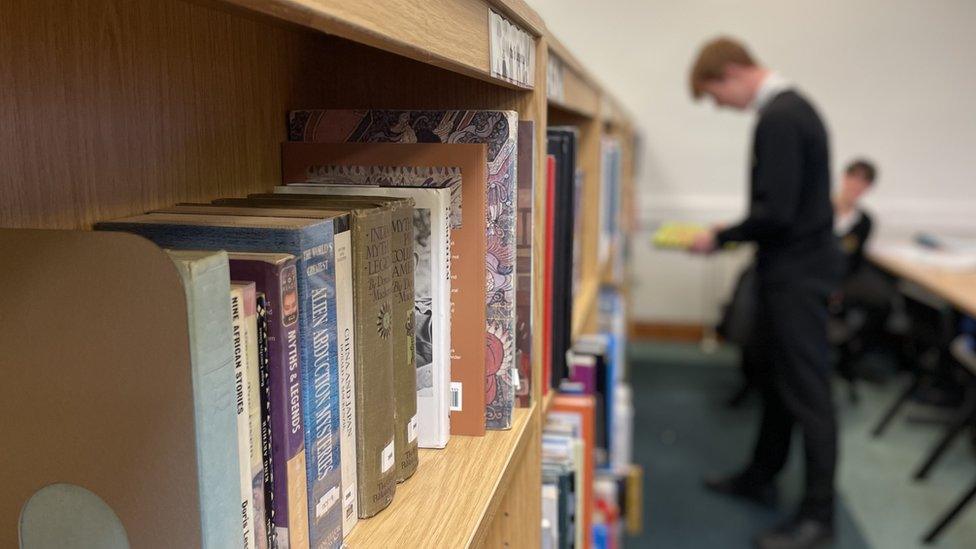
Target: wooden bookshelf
{"points": [[451, 34], [116, 107], [456, 492]]}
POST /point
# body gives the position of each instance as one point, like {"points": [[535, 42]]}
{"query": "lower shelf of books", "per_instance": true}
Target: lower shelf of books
{"points": [[450, 500]]}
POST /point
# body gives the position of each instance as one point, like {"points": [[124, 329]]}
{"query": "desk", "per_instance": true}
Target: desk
{"points": [[956, 287]]}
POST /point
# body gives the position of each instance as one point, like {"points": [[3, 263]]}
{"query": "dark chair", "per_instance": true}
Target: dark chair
{"points": [[931, 324], [962, 349]]}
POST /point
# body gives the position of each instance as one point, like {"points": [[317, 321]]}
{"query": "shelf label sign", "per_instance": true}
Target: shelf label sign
{"points": [[554, 78], [512, 51]]}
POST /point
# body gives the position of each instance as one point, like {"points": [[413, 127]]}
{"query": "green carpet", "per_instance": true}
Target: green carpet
{"points": [[682, 431]]}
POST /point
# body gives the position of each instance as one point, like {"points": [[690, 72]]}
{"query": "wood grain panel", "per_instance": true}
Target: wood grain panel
{"points": [[451, 499], [114, 107], [517, 521]]}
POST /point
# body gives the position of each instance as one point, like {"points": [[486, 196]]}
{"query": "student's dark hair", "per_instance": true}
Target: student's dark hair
{"points": [[864, 169]]}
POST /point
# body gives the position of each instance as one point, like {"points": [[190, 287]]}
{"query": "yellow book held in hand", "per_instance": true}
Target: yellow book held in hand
{"points": [[676, 235]]}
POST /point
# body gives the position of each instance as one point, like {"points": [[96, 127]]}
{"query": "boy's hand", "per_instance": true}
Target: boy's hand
{"points": [[703, 243]]}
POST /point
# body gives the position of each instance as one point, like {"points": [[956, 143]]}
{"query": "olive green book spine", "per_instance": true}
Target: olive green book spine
{"points": [[404, 343], [374, 328]]}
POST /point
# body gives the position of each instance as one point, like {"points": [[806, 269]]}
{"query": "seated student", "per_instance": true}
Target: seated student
{"points": [[860, 307], [852, 224]]}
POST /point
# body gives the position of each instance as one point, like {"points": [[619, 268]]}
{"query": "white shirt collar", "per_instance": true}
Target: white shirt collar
{"points": [[772, 85]]}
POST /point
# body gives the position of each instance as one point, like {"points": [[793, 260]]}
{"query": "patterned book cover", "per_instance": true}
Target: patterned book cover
{"points": [[425, 165], [283, 440], [310, 241], [498, 130], [523, 271], [207, 284], [267, 457], [429, 303]]}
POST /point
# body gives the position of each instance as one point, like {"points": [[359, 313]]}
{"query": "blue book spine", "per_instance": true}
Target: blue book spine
{"points": [[321, 393], [312, 247]]}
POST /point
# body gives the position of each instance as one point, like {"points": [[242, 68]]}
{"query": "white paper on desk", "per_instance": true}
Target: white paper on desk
{"points": [[943, 260]]}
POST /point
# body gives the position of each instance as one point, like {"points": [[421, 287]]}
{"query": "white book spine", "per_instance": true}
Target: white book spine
{"points": [[443, 310], [242, 402], [347, 381]]}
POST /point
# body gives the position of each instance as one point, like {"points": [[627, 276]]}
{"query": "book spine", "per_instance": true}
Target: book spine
{"points": [[285, 475], [254, 416], [523, 264], [243, 415], [347, 380], [264, 378], [320, 394], [207, 286], [374, 362], [435, 410], [404, 342]]}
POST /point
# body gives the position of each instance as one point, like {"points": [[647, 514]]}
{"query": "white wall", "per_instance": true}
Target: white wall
{"points": [[894, 79]]}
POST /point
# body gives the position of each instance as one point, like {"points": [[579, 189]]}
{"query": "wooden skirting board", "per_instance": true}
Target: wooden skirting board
{"points": [[662, 331]]}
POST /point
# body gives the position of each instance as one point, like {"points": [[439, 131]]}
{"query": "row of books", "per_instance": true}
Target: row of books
{"points": [[378, 301], [589, 488]]}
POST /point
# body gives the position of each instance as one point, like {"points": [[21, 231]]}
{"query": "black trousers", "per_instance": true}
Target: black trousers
{"points": [[789, 357]]}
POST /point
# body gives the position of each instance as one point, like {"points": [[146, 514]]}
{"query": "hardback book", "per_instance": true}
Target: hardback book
{"points": [[402, 337], [242, 402], [206, 280], [267, 457], [462, 167], [548, 276], [431, 298], [498, 130], [338, 312], [561, 143], [523, 268], [275, 276], [311, 242], [371, 246]]}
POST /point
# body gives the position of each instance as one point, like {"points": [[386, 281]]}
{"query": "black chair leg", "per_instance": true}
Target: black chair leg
{"points": [[965, 418], [951, 515], [893, 409]]}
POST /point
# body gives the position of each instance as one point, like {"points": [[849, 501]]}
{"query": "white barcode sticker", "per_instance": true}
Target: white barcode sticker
{"points": [[326, 502], [386, 460], [456, 399], [412, 429]]}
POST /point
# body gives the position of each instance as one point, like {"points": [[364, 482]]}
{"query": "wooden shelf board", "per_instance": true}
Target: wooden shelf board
{"points": [[451, 34], [451, 498]]}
